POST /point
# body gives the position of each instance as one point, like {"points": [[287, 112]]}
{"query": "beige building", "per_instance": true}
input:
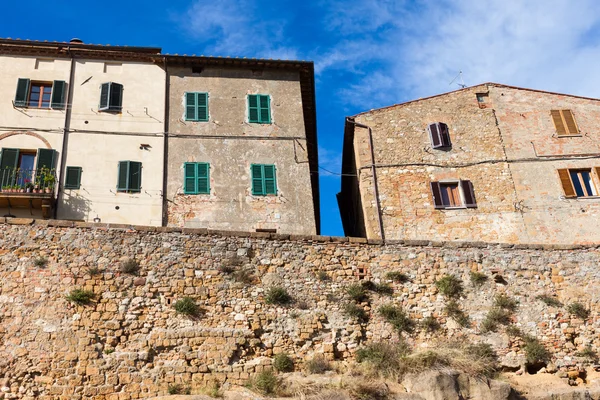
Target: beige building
{"points": [[486, 163]]}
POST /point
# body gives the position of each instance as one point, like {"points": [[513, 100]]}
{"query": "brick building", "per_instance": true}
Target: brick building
{"points": [[490, 162]]}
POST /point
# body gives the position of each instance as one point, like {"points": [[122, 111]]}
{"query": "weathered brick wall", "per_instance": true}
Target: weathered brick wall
{"points": [[130, 343]]}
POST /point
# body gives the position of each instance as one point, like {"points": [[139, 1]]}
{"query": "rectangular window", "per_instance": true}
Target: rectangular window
{"points": [[196, 106], [129, 177], [264, 181], [577, 182], [111, 97], [439, 135], [33, 94], [73, 178], [196, 178], [453, 194], [22, 167], [564, 122], [259, 108]]}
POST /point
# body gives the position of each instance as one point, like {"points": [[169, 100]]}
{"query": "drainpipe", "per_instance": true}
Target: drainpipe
{"points": [[373, 172], [67, 126], [165, 211]]}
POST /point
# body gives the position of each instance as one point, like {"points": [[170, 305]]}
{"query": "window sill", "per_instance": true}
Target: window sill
{"points": [[568, 136], [260, 123], [196, 120], [583, 197], [453, 208]]}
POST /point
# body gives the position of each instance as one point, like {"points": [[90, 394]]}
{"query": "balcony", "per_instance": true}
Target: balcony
{"points": [[27, 189]]}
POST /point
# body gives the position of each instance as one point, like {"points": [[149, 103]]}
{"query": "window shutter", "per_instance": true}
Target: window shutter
{"points": [[189, 178], [73, 178], [434, 135], [444, 135], [135, 176], [265, 109], [22, 92], [202, 106], [8, 164], [269, 177], [570, 122], [203, 178], [257, 179], [45, 159], [558, 122], [58, 95], [437, 195], [469, 194], [123, 176], [115, 97], [253, 108], [597, 172], [190, 107], [104, 92], [565, 180]]}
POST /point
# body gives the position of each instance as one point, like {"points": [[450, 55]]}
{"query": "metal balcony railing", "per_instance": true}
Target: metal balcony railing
{"points": [[17, 180]]}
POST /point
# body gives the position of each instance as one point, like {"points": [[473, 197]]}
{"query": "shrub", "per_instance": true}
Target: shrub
{"points": [[226, 269], [318, 365], [80, 296], [482, 351], [430, 324], [514, 331], [535, 352], [283, 363], [450, 286], [588, 353], [505, 302], [357, 293], [578, 310], [322, 276], [495, 317], [549, 300], [453, 310], [477, 278], [355, 311], [370, 391], [109, 350], [213, 389], [130, 266], [383, 358], [384, 289], [397, 276], [265, 382], [277, 295], [243, 276], [397, 318], [178, 389], [187, 306], [369, 285], [93, 271], [40, 262]]}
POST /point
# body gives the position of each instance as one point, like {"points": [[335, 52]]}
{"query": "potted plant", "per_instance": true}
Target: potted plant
{"points": [[28, 186], [49, 182]]}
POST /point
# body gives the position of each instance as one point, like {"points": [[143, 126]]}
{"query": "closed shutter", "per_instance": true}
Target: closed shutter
{"points": [[115, 97], [8, 166], [445, 135], [270, 180], [469, 194], [123, 176], [265, 109], [597, 169], [437, 195], [190, 107], [570, 122], [22, 92], [253, 108], [73, 178], [558, 122], [257, 179], [45, 159], [135, 176], [565, 180], [189, 178], [58, 95], [203, 178], [202, 106], [434, 135], [104, 92]]}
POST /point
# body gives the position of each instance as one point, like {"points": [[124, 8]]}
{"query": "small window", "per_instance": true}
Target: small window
{"points": [[111, 97], [439, 135], [483, 99], [578, 182], [196, 106], [196, 178], [259, 108], [564, 122], [264, 181], [455, 194], [129, 177], [34, 94], [73, 178]]}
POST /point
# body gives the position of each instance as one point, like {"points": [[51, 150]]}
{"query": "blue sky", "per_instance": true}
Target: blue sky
{"points": [[367, 53]]}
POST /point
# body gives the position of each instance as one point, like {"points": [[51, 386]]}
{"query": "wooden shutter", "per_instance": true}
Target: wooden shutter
{"points": [[444, 135], [253, 108], [437, 195], [270, 180], [104, 94], [73, 178], [123, 176], [189, 178], [265, 109], [570, 122], [558, 122], [115, 97], [257, 179], [469, 194], [135, 176], [202, 106], [58, 95], [45, 159], [565, 180], [434, 135], [190, 107], [203, 178], [8, 165], [22, 92]]}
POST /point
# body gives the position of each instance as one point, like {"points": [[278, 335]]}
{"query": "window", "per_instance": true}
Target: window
{"points": [[564, 122], [73, 178], [35, 94], [264, 181], [578, 182], [259, 108], [453, 194], [196, 178], [196, 106], [111, 97], [129, 177], [439, 135], [483, 99], [21, 166]]}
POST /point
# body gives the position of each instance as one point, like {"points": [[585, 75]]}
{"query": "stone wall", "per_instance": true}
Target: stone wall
{"points": [[130, 342]]}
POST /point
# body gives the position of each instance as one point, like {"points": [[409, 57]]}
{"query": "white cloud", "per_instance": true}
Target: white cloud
{"points": [[331, 160]]}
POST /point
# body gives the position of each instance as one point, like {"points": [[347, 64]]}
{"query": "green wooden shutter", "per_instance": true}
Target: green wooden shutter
{"points": [[202, 106], [123, 176], [189, 178], [8, 165], [203, 178], [269, 178], [73, 178], [190, 107], [22, 92], [135, 176], [253, 113], [104, 92], [115, 97], [265, 109], [257, 179], [58, 95], [45, 158]]}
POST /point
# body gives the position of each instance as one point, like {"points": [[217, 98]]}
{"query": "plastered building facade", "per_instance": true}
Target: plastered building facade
{"points": [[490, 162]]}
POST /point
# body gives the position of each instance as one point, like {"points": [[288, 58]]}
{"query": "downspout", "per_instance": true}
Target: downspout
{"points": [[373, 172], [67, 126], [165, 211]]}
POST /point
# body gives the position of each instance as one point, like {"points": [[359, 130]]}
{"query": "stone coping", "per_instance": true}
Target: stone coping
{"points": [[291, 237]]}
